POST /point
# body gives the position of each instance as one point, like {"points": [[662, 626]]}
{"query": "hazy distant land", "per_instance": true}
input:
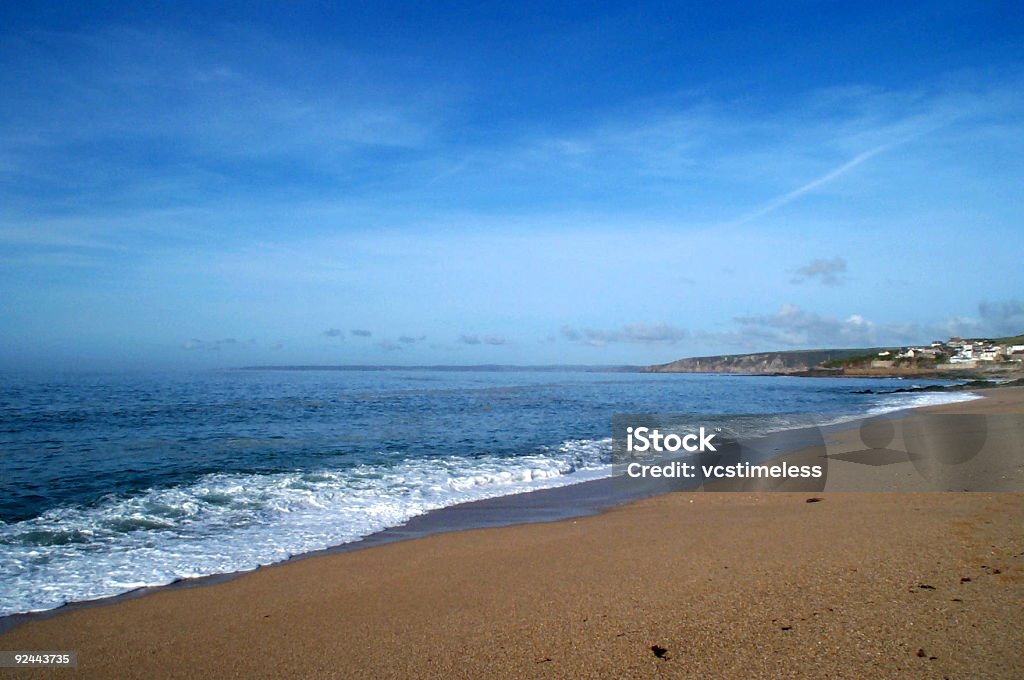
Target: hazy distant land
{"points": [[954, 358]]}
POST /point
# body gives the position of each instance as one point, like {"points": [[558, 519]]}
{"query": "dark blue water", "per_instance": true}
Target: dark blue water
{"points": [[113, 481]]}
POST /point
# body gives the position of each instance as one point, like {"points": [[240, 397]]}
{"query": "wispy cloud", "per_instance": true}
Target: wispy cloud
{"points": [[828, 272], [404, 341], [994, 319], [213, 345], [473, 339], [1003, 318], [644, 334], [142, 115], [787, 198], [361, 333]]}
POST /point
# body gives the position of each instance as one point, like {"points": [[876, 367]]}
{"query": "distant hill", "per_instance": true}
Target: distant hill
{"points": [[797, 361], [1011, 340]]}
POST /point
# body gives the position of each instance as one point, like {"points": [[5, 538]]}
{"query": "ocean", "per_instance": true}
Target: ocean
{"points": [[115, 481]]}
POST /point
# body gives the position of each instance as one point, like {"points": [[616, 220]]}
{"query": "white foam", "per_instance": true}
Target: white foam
{"points": [[226, 523], [905, 400]]}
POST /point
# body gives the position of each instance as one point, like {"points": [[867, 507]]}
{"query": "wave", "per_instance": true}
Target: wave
{"points": [[226, 523], [898, 402]]}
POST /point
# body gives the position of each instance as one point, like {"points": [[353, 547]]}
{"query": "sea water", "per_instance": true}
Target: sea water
{"points": [[111, 482]]}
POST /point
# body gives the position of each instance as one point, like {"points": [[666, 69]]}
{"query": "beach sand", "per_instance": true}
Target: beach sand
{"points": [[697, 584]]}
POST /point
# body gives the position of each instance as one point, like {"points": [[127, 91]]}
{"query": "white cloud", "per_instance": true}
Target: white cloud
{"points": [[791, 326]]}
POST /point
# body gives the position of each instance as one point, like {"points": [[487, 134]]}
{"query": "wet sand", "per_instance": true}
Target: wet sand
{"points": [[718, 584]]}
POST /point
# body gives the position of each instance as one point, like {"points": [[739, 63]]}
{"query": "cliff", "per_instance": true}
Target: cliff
{"points": [[799, 361]]}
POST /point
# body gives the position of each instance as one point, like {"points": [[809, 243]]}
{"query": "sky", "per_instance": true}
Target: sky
{"points": [[230, 184]]}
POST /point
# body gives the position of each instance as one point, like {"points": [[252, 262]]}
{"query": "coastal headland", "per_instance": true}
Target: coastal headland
{"points": [[956, 358], [683, 584]]}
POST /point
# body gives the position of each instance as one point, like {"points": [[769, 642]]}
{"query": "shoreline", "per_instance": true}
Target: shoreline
{"points": [[554, 504], [731, 584], [728, 585]]}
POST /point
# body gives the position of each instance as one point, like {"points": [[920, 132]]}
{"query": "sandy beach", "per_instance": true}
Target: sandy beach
{"points": [[736, 585]]}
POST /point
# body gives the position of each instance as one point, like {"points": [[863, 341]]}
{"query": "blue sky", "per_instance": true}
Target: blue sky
{"points": [[225, 184]]}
